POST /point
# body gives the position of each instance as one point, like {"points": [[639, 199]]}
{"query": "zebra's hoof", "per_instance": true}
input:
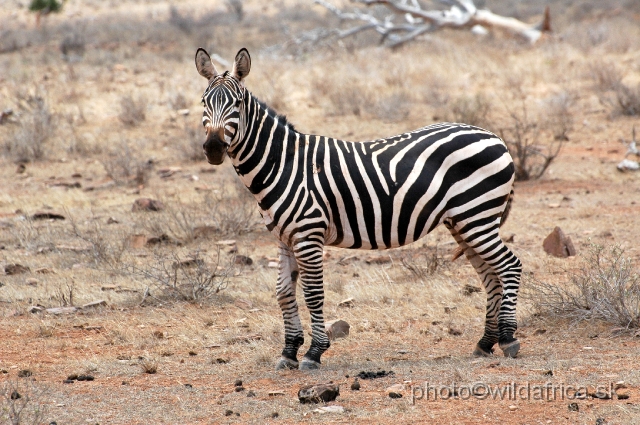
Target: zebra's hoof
{"points": [[510, 349], [285, 363], [479, 352], [307, 364]]}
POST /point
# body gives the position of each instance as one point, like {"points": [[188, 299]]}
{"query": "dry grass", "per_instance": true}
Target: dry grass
{"points": [[22, 402], [403, 312], [606, 287]]}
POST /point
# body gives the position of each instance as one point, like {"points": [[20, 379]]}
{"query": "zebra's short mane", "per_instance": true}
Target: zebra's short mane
{"points": [[272, 112]]}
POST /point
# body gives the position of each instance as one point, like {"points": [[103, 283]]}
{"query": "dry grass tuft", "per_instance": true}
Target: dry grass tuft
{"points": [[29, 141], [132, 111], [605, 287], [149, 366], [124, 165]]}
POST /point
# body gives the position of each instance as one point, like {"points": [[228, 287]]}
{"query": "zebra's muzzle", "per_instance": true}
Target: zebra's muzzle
{"points": [[215, 148]]}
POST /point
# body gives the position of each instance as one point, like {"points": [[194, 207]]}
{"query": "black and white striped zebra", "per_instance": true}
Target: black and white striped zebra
{"points": [[314, 191]]}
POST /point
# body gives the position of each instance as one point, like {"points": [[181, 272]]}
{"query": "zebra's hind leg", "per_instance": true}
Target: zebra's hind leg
{"points": [[286, 295], [493, 288], [309, 255], [483, 237]]}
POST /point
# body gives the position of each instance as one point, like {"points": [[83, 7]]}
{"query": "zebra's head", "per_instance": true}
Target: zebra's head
{"points": [[223, 103]]}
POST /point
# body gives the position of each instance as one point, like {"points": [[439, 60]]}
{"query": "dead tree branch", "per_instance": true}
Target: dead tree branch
{"points": [[463, 14]]}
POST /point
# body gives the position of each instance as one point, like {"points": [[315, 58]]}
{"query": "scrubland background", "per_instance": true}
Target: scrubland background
{"points": [[105, 110]]}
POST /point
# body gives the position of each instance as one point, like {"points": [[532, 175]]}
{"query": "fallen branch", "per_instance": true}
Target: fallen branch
{"points": [[463, 14]]}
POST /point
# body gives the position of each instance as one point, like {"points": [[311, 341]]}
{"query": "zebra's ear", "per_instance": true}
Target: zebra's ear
{"points": [[205, 65], [241, 65]]}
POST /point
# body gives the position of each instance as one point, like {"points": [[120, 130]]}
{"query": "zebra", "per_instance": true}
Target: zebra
{"points": [[316, 191]]}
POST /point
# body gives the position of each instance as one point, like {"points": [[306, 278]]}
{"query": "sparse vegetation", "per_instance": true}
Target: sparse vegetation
{"points": [[606, 286], [22, 402], [132, 111], [125, 163], [37, 126]]}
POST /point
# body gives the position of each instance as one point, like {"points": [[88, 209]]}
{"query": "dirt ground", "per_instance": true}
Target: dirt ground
{"points": [[115, 115]]}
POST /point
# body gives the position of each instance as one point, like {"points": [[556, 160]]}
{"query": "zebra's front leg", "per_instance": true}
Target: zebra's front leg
{"points": [[309, 255], [286, 295]]}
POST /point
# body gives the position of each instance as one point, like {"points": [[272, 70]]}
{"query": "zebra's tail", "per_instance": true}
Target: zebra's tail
{"points": [[457, 253]]}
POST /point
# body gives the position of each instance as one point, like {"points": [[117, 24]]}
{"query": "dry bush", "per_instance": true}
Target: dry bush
{"points": [[191, 278], [29, 141], [393, 108], [132, 111], [471, 110], [606, 75], [606, 286], [177, 221], [22, 402], [627, 99], [559, 117], [622, 98], [345, 98], [424, 264], [523, 137], [124, 166], [190, 145], [104, 248], [232, 215]]}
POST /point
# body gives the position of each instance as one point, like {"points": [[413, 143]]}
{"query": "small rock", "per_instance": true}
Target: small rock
{"points": [[44, 270], [188, 386], [35, 309], [188, 262], [85, 378], [239, 389], [220, 360], [379, 259], [547, 373], [228, 412], [513, 407], [622, 396], [329, 409], [24, 373], [455, 331], [193, 353], [137, 241], [274, 415], [374, 375], [15, 395], [618, 385], [394, 395], [356, 385], [600, 421], [558, 244], [21, 168], [46, 215], [72, 377], [251, 393], [238, 383], [318, 392], [539, 332], [396, 388], [68, 381], [470, 289], [346, 303], [93, 304], [243, 304], [243, 260], [147, 204], [337, 329], [573, 407], [112, 220], [12, 269]]}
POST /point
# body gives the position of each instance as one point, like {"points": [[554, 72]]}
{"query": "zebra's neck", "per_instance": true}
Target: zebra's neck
{"points": [[264, 145]]}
